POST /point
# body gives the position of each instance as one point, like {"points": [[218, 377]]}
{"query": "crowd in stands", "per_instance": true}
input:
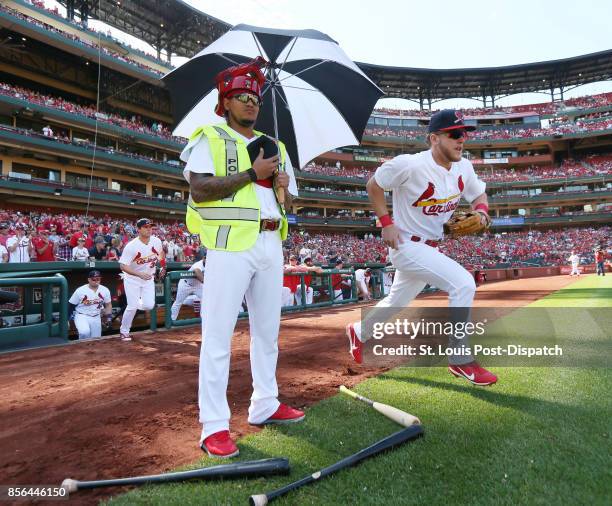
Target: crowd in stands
{"points": [[61, 136], [81, 26], [135, 122], [592, 166], [60, 236], [567, 169], [50, 28], [534, 247], [53, 236], [363, 173], [501, 133], [586, 102]]}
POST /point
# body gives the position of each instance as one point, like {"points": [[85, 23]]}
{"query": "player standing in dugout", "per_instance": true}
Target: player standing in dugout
{"points": [[427, 188]]}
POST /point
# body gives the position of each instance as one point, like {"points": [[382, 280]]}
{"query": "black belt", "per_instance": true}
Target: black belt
{"points": [[266, 225]]}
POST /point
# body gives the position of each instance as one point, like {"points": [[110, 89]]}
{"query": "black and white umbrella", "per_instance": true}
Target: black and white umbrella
{"points": [[315, 97]]}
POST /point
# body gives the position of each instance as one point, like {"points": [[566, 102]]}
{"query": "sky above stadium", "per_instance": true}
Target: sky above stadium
{"points": [[444, 34]]}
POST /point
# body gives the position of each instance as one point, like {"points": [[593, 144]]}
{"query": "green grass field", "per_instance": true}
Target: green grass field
{"points": [[540, 436]]}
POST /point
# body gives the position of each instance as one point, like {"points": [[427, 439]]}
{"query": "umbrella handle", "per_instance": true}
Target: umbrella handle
{"points": [[280, 195]]}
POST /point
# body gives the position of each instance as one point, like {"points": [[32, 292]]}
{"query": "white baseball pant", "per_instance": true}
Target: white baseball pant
{"points": [[88, 326], [140, 295], [575, 270], [287, 297], [183, 290], [258, 274], [309, 294], [362, 289], [417, 265]]}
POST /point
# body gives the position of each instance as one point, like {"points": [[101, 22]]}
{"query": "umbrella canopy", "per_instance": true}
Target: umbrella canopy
{"points": [[318, 98]]}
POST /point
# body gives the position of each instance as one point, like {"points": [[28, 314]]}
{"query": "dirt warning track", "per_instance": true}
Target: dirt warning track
{"points": [[107, 408]]}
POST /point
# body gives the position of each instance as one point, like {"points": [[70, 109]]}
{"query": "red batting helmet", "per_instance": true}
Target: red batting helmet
{"points": [[240, 78]]}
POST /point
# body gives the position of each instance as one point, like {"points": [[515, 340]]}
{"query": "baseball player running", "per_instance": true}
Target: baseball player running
{"points": [[575, 260], [189, 287], [86, 305], [138, 263], [427, 187]]}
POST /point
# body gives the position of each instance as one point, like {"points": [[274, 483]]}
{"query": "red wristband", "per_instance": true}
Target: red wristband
{"points": [[482, 206], [162, 262], [385, 221]]}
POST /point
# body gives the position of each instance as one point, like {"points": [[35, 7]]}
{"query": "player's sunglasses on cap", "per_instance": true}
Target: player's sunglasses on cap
{"points": [[245, 98], [144, 222]]}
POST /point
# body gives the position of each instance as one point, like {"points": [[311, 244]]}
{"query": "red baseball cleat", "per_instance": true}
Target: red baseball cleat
{"points": [[284, 414], [473, 373], [355, 344], [220, 445]]}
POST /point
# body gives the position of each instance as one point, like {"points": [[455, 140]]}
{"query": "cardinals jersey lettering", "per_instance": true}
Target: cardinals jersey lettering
{"points": [[425, 195], [141, 257], [88, 302]]}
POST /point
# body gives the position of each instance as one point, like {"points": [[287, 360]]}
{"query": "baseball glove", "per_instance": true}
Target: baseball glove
{"points": [[466, 223]]}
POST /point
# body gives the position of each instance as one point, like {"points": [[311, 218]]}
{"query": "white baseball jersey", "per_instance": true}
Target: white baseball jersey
{"points": [[80, 253], [88, 302], [425, 194], [141, 257], [575, 259], [200, 160], [21, 253], [360, 275], [3, 251], [195, 282]]}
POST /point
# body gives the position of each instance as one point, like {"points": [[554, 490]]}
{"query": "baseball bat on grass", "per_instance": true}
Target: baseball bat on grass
{"points": [[264, 467], [395, 414], [407, 434]]}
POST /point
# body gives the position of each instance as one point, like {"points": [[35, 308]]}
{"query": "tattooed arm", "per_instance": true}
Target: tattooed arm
{"points": [[206, 187]]}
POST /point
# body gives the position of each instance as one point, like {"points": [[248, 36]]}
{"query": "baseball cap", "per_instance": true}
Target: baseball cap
{"points": [[292, 257], [94, 274], [142, 222], [246, 77], [448, 119], [100, 239], [339, 261], [307, 259]]}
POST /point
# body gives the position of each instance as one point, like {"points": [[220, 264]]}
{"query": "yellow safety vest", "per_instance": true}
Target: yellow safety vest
{"points": [[230, 224]]}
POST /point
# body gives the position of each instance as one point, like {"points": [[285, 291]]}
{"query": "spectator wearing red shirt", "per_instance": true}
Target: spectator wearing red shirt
{"points": [[308, 267], [188, 252], [290, 282], [340, 282], [83, 233], [45, 249], [600, 257]]}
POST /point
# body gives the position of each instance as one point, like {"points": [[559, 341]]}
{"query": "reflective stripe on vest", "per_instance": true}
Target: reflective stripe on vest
{"points": [[231, 157], [226, 213]]}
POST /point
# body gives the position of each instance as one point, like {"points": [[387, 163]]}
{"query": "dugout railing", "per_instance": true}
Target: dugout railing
{"points": [[321, 284], [49, 326]]}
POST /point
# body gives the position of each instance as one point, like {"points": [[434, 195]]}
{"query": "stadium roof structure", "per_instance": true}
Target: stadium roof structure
{"points": [[490, 83], [170, 25]]}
